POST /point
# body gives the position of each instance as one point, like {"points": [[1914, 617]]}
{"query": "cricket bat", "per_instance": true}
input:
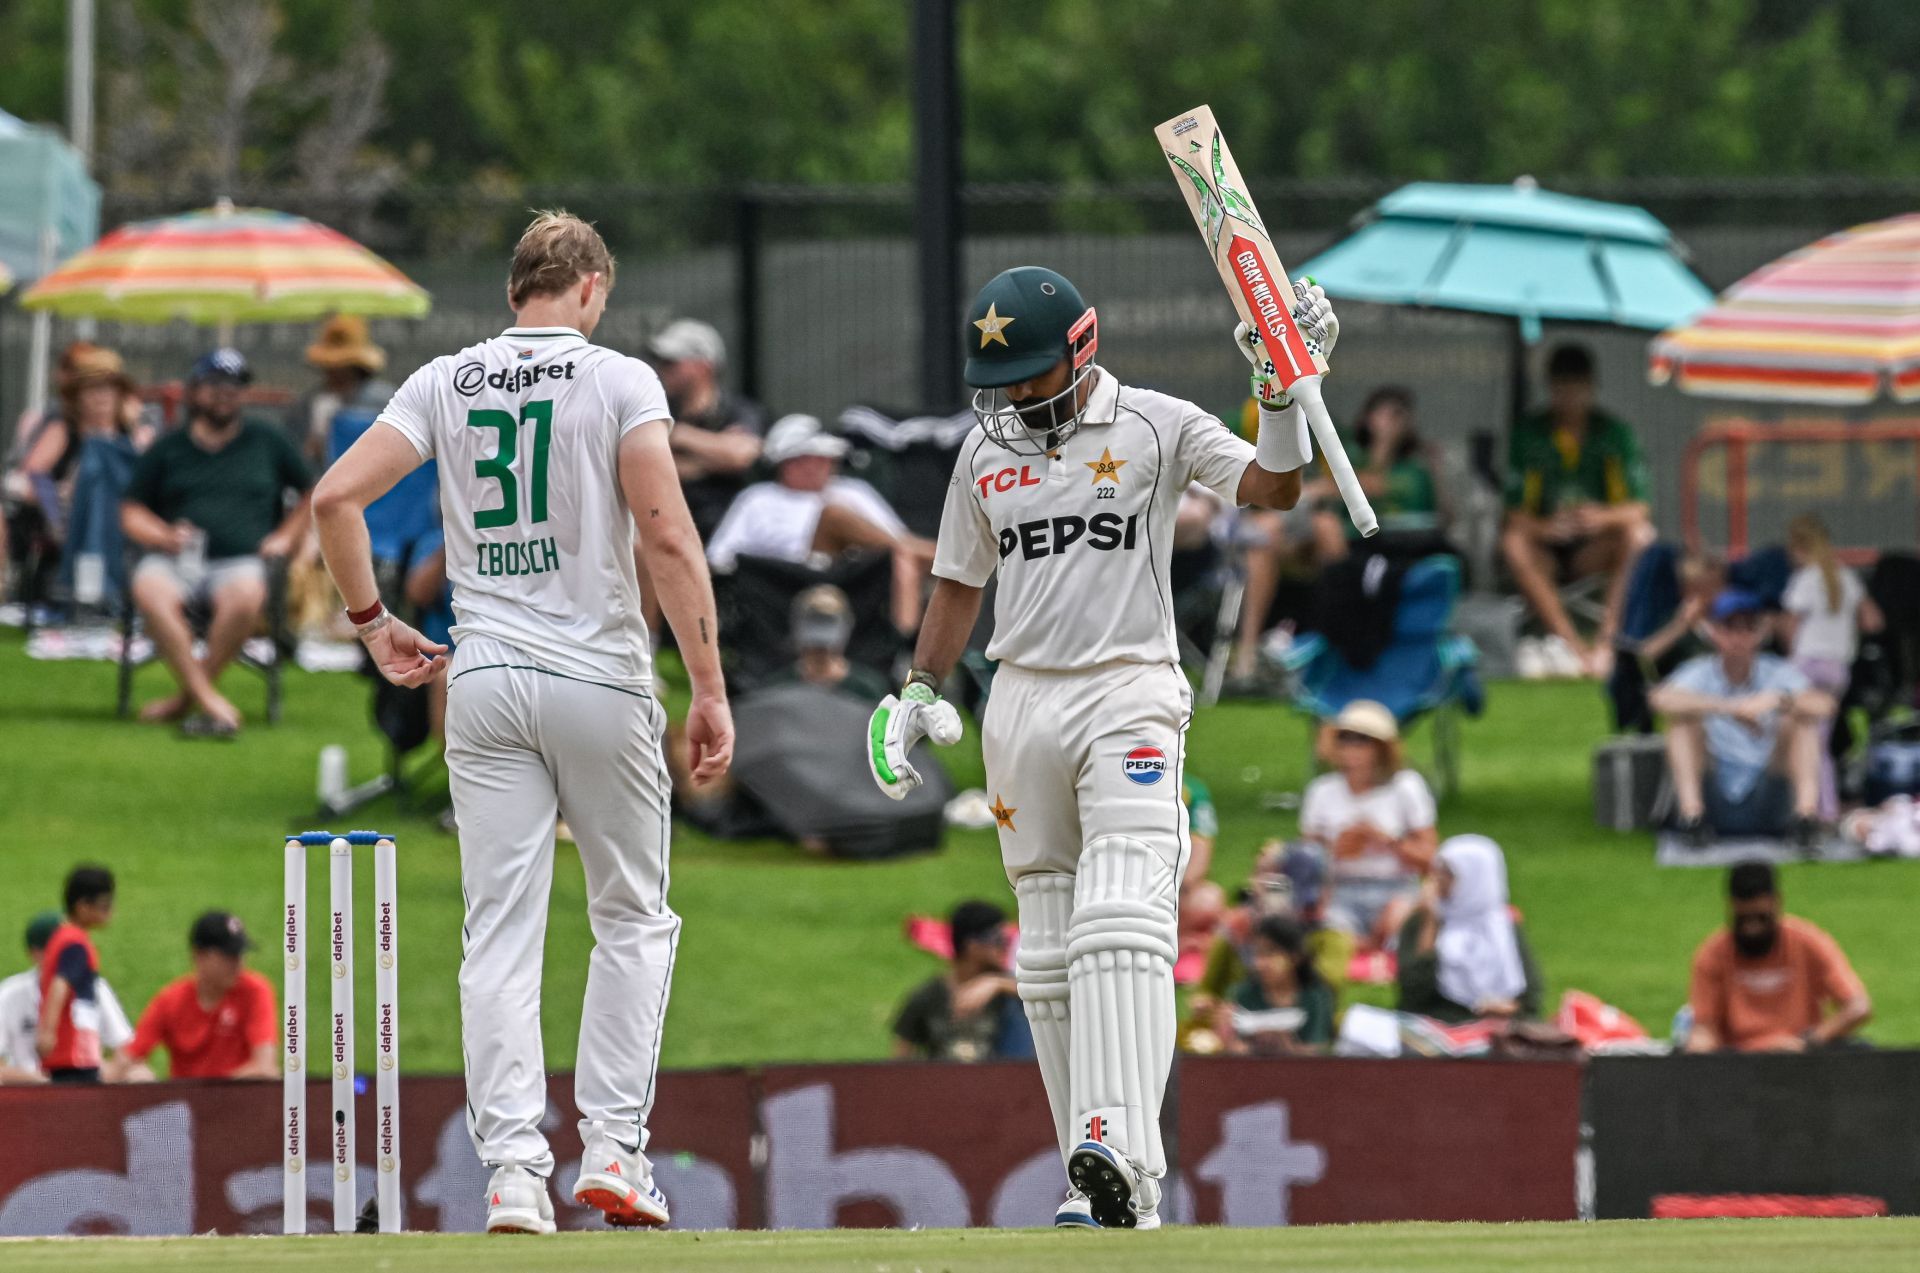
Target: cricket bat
{"points": [[1256, 280]]}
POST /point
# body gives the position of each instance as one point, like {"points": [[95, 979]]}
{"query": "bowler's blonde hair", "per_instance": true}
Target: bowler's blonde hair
{"points": [[556, 252]]}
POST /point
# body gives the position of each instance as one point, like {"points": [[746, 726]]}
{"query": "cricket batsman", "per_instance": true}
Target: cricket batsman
{"points": [[550, 449], [1068, 487]]}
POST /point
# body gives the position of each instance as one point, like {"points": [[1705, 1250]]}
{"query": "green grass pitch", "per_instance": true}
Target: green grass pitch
{"points": [[789, 959], [1700, 1246]]}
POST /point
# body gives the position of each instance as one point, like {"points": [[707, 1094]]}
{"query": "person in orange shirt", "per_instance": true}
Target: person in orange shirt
{"points": [[68, 1034], [219, 1021], [1771, 982]]}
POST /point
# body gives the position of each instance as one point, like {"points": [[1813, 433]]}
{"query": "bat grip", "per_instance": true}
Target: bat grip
{"points": [[1306, 392]]}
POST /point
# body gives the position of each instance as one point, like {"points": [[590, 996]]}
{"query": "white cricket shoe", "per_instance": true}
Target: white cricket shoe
{"points": [[1114, 1188], [1074, 1213], [618, 1182], [517, 1202]]}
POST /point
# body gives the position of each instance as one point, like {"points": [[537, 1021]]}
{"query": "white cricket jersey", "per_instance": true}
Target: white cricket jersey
{"points": [[20, 1020], [1082, 538], [526, 428]]}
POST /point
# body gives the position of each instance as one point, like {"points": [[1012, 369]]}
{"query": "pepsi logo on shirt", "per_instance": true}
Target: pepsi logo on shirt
{"points": [[1144, 764]]}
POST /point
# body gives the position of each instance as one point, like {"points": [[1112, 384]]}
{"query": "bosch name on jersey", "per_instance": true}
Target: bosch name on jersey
{"points": [[1051, 536]]}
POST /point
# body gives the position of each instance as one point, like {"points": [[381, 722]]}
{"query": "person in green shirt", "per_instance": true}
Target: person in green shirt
{"points": [[1576, 505], [207, 503], [1400, 472], [1281, 1006]]}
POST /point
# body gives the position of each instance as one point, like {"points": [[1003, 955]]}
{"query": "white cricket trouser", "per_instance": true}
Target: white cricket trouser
{"points": [[525, 745], [1084, 769]]}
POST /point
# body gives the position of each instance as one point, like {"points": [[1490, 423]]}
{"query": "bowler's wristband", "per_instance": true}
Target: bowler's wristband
{"points": [[1282, 443]]}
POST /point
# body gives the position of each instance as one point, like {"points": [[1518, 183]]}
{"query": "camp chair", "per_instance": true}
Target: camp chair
{"points": [[198, 617], [755, 605], [1424, 671]]}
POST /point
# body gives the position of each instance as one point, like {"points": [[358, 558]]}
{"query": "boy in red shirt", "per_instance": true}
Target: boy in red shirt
{"points": [[219, 1021], [68, 1036]]}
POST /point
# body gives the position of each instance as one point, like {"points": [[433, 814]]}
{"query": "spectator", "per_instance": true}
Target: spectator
{"points": [[972, 1011], [1576, 507], [1462, 956], [67, 1034], [1375, 818], [1400, 473], [1743, 734], [717, 433], [20, 1018], [208, 502], [1281, 1006], [809, 509], [348, 362], [822, 624], [1826, 610], [1771, 982], [219, 1021]]}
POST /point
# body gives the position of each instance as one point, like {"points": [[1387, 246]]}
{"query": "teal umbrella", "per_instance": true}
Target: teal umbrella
{"points": [[1516, 250]]}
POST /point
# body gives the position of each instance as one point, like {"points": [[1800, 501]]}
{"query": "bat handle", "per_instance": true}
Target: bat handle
{"points": [[1306, 392]]}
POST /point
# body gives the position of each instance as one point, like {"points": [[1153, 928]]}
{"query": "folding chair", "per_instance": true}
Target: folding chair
{"points": [[197, 618], [755, 604], [1425, 671]]}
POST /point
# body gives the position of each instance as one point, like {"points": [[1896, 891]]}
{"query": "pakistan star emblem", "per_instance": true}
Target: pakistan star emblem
{"points": [[1002, 815], [992, 328], [1106, 468]]}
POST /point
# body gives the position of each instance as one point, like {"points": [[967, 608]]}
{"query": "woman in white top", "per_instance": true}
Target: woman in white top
{"points": [[1375, 819], [1826, 610]]}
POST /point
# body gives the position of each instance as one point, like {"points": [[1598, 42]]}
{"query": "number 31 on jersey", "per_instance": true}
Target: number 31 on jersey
{"points": [[536, 416]]}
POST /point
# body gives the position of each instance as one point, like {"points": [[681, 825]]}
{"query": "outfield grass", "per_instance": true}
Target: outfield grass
{"points": [[784, 957], [1637, 1246]]}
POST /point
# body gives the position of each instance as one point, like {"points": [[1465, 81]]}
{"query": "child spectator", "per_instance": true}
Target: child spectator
{"points": [[20, 1018], [1826, 611], [1400, 472], [1462, 956], [972, 1011], [219, 1021], [1281, 1006], [1375, 818], [1771, 982], [68, 1031]]}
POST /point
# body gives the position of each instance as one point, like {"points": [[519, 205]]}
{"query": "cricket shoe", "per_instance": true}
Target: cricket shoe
{"points": [[1074, 1213], [1118, 1196], [517, 1201], [618, 1182]]}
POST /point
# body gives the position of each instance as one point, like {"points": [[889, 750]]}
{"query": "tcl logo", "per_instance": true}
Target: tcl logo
{"points": [[1006, 480]]}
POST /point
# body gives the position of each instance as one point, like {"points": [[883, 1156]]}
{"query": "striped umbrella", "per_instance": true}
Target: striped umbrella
{"points": [[1837, 322], [226, 265]]}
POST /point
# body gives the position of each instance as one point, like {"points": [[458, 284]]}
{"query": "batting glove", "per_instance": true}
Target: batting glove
{"points": [[899, 723], [1319, 328]]}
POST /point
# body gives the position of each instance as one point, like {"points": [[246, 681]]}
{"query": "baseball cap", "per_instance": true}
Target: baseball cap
{"points": [[221, 931], [1369, 719], [686, 338], [40, 929], [795, 436], [1736, 601], [822, 619], [229, 365]]}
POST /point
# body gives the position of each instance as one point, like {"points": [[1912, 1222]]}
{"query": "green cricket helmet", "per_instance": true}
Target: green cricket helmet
{"points": [[1024, 322]]}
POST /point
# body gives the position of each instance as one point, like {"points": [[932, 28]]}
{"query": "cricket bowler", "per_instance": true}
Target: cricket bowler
{"points": [[550, 449], [1068, 486]]}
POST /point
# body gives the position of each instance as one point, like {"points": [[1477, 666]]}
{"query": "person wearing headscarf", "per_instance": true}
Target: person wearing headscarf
{"points": [[1462, 956]]}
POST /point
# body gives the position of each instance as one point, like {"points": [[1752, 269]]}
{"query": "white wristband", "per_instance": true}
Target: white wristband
{"points": [[373, 625], [1283, 442]]}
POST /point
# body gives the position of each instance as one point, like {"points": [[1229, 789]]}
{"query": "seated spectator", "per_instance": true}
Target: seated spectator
{"points": [[20, 1018], [1400, 473], [1462, 956], [219, 1021], [1576, 506], [67, 1033], [1771, 982], [809, 509], [1374, 816], [972, 1011], [348, 362], [1281, 1006], [822, 624], [716, 437], [1743, 734], [1668, 599], [208, 502], [1826, 608], [1201, 900]]}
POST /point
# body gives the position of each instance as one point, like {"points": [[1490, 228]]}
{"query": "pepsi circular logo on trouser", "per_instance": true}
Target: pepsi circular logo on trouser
{"points": [[1145, 764]]}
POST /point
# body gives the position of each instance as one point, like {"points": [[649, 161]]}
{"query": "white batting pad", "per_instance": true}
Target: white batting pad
{"points": [[1040, 969], [1120, 956]]}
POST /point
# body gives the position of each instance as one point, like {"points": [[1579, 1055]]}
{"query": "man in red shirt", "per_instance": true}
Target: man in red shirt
{"points": [[219, 1021], [68, 1036]]}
